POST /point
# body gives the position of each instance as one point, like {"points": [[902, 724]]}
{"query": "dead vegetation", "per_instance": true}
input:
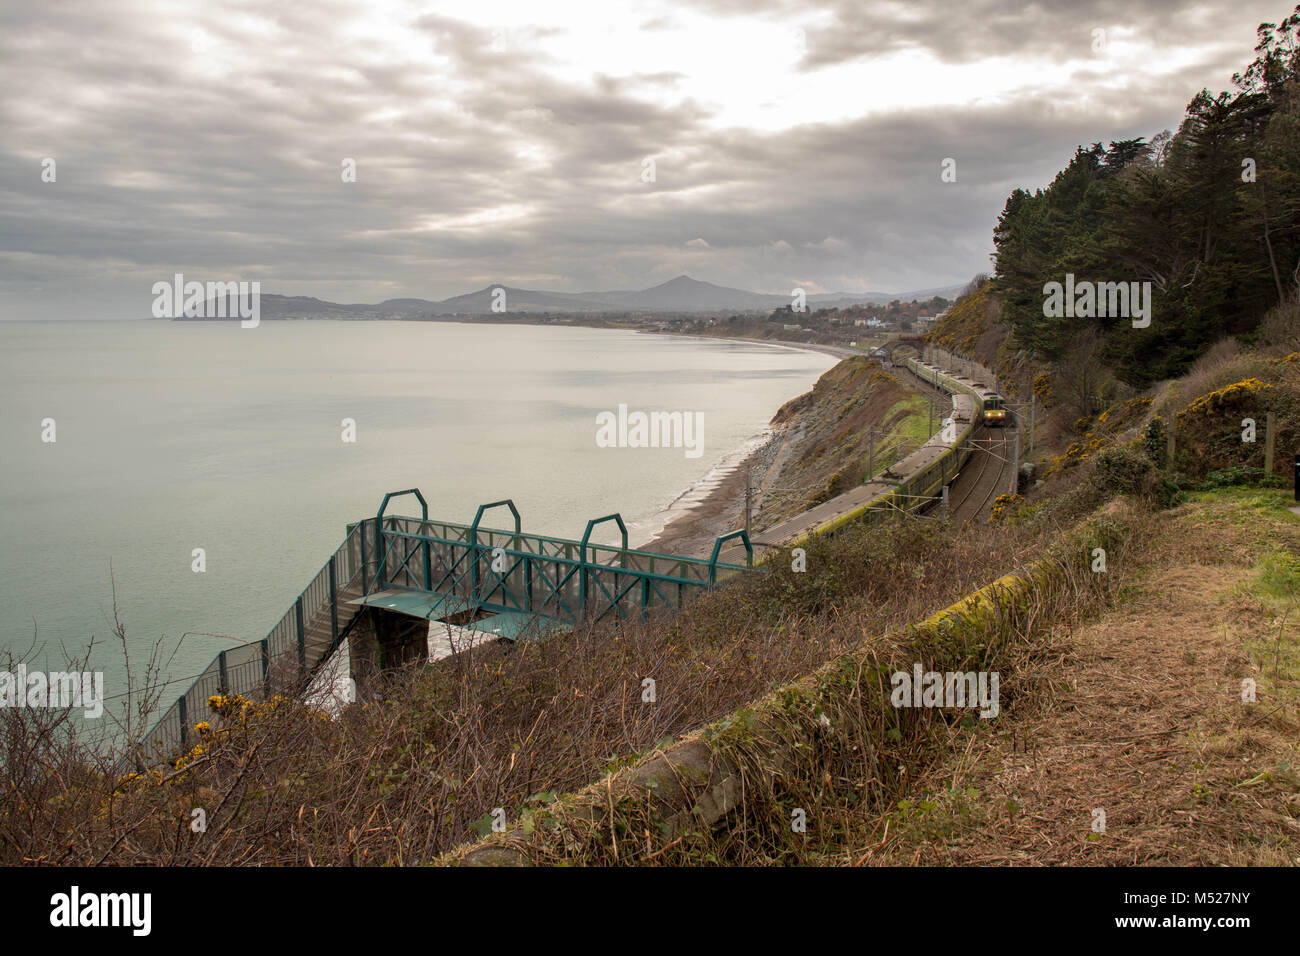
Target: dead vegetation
{"points": [[1140, 717], [412, 774], [1117, 695]]}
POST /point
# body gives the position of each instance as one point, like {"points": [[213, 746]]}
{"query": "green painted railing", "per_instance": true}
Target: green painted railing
{"points": [[486, 569]]}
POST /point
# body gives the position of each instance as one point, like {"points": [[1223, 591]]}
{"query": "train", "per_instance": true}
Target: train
{"points": [[992, 411], [996, 414]]}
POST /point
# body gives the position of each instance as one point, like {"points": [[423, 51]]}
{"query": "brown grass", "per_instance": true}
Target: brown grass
{"points": [[1141, 717]]}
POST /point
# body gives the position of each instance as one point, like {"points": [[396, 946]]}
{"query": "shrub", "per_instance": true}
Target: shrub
{"points": [[1247, 475], [1124, 471]]}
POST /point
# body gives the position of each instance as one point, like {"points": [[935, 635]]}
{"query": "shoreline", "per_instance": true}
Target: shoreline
{"points": [[714, 504]]}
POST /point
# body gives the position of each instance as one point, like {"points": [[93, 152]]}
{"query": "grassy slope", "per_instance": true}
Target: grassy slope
{"points": [[1133, 708], [1141, 715]]}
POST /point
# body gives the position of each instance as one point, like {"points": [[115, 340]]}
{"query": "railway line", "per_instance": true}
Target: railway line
{"points": [[988, 469], [967, 457]]}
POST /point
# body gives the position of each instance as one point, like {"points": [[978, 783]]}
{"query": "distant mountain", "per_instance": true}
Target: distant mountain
{"points": [[685, 294], [516, 300], [682, 294]]}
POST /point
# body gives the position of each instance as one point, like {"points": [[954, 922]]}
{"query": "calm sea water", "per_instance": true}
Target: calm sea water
{"points": [[175, 436]]}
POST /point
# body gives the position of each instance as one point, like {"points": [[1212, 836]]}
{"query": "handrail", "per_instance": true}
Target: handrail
{"points": [[586, 536], [576, 562], [281, 651], [473, 534], [743, 535], [529, 536], [509, 503], [383, 506], [379, 530]]}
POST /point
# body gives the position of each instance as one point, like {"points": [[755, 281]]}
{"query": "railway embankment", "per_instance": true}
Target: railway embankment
{"points": [[1148, 714]]}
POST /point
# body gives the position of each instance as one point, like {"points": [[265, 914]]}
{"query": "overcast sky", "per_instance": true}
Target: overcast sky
{"points": [[794, 143]]}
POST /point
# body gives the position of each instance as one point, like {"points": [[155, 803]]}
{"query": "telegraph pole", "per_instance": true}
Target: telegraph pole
{"points": [[1015, 466]]}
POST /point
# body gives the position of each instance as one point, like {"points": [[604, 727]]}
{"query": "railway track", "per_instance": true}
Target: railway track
{"points": [[971, 495], [988, 471]]}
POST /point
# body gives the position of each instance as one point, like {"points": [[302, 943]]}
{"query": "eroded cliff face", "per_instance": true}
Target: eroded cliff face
{"points": [[820, 447], [826, 436]]}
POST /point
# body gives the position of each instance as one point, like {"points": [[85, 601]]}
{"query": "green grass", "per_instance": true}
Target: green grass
{"points": [[1275, 502], [910, 430]]}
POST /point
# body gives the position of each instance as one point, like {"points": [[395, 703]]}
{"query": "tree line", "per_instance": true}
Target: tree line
{"points": [[1209, 216]]}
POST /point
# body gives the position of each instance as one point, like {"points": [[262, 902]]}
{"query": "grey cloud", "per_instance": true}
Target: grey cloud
{"points": [[164, 167]]}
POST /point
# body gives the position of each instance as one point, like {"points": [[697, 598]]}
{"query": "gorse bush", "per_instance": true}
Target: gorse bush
{"points": [[1124, 471]]}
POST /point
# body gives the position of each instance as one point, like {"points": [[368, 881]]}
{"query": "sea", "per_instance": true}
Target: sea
{"points": [[188, 479]]}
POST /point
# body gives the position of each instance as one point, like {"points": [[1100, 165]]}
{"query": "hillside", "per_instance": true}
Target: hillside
{"points": [[680, 295]]}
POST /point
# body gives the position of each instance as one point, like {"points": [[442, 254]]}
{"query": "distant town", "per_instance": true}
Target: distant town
{"points": [[853, 326], [680, 306]]}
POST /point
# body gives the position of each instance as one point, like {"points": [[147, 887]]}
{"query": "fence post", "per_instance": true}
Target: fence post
{"points": [[221, 669], [334, 605], [185, 720], [266, 668], [365, 572], [428, 562], [1269, 431], [302, 637], [528, 583]]}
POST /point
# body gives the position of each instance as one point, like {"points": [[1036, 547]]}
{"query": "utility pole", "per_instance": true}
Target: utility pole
{"points": [[929, 421], [871, 456], [1015, 466]]}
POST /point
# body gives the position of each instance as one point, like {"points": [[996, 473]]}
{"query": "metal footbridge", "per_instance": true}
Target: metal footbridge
{"points": [[506, 583]]}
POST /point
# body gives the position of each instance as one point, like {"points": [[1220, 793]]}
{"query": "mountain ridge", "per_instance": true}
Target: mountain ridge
{"points": [[679, 294]]}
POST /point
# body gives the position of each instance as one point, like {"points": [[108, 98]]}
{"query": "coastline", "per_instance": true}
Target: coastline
{"points": [[714, 504]]}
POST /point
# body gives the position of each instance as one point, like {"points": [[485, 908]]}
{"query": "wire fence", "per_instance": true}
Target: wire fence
{"points": [[304, 637]]}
